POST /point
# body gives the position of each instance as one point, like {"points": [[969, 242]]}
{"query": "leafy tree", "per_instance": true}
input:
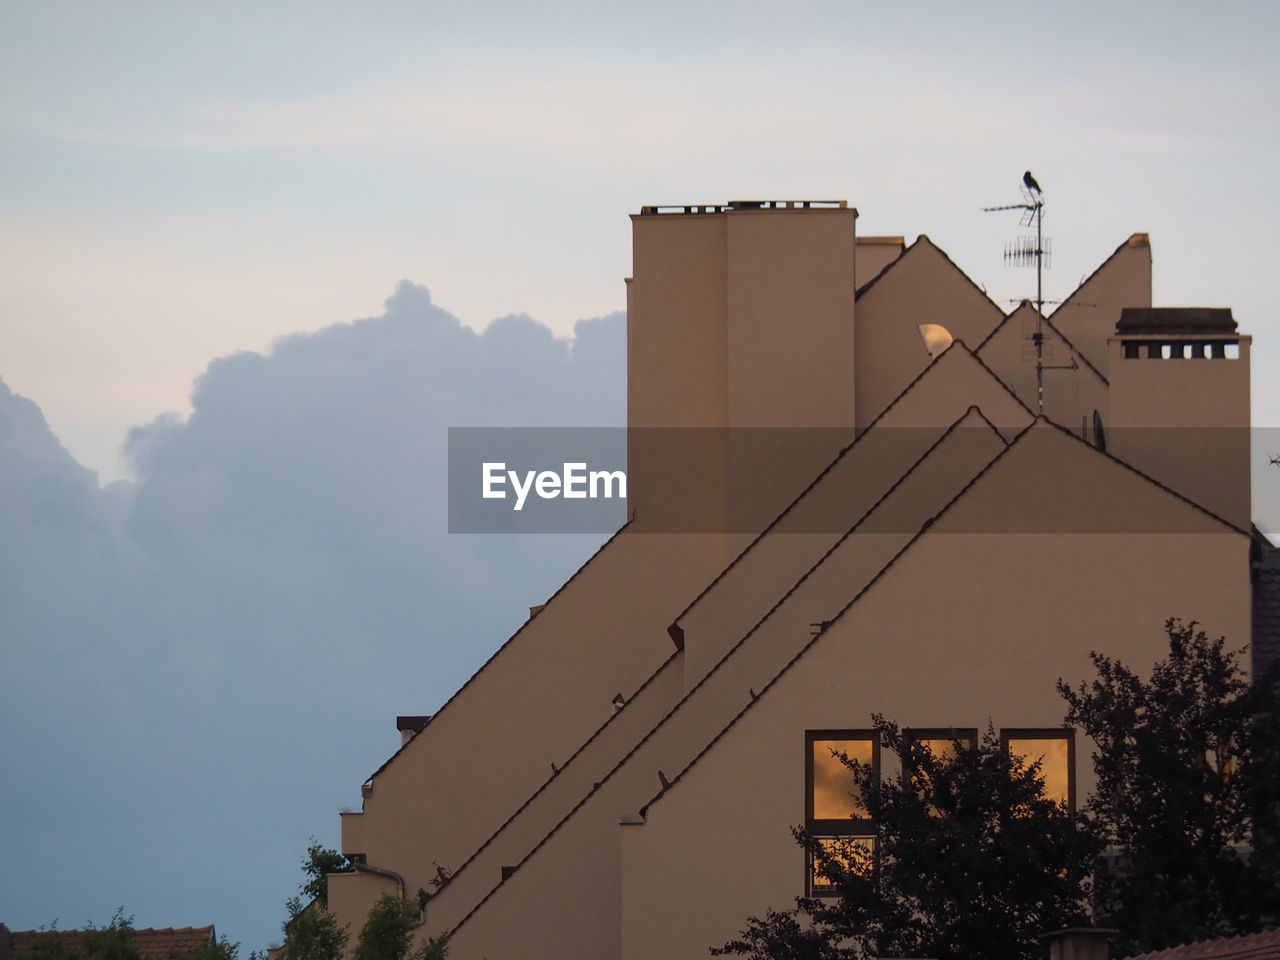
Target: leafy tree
{"points": [[313, 933], [1186, 767], [387, 931], [319, 863], [112, 942], [220, 949], [972, 861]]}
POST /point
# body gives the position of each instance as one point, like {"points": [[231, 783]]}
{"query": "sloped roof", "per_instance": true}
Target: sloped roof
{"points": [[1135, 240], [956, 348], [1253, 946], [1075, 351], [921, 242], [154, 943], [924, 529], [971, 414]]}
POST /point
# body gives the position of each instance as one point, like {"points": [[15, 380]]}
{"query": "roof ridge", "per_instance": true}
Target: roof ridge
{"points": [[1062, 336], [1128, 242], [677, 634], [1145, 476], [887, 267], [928, 523]]}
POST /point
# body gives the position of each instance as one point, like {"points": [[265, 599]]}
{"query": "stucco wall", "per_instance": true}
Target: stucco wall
{"points": [[966, 627], [923, 286]]}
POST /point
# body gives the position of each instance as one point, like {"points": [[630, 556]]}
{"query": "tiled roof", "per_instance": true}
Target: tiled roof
{"points": [[1254, 946], [163, 943]]}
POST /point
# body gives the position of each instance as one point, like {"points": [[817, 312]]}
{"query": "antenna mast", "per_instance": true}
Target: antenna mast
{"points": [[1027, 251]]}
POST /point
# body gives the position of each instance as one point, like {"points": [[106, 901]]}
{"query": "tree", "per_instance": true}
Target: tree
{"points": [[112, 942], [387, 931], [1186, 773], [319, 863], [311, 932], [220, 949], [972, 861]]}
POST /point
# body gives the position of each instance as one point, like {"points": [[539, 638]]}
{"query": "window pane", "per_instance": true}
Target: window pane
{"points": [[940, 748], [833, 782], [851, 852], [945, 747], [1054, 767]]}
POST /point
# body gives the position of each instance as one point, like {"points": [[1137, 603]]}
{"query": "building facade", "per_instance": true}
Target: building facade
{"points": [[894, 515]]}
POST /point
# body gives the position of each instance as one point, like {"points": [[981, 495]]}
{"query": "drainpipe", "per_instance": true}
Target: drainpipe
{"points": [[364, 867], [382, 872]]}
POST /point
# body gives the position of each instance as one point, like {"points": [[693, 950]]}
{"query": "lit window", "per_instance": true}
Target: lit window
{"points": [[1056, 752], [941, 743], [849, 852], [836, 812]]}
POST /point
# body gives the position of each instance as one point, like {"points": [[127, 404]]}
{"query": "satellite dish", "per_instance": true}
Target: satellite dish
{"points": [[936, 338]]}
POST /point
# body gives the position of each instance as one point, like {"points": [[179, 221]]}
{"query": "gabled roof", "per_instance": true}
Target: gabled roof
{"points": [[1040, 423], [1253, 946], [969, 417], [957, 347], [1056, 332], [923, 242], [1135, 240]]}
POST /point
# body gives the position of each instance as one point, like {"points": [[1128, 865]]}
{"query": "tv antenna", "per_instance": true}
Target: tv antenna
{"points": [[1033, 251]]}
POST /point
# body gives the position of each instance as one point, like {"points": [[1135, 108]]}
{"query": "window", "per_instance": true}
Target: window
{"points": [[835, 814], [941, 742], [1055, 749]]}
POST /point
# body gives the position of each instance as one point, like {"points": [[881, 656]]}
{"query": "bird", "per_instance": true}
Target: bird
{"points": [[1030, 182]]}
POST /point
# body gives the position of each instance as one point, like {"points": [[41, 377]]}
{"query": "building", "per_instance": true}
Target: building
{"points": [[892, 513]]}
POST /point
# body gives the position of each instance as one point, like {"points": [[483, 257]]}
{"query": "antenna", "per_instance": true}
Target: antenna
{"points": [[1032, 251]]}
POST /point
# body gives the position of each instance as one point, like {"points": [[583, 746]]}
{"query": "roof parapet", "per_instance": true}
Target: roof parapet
{"points": [[694, 208], [1184, 321]]}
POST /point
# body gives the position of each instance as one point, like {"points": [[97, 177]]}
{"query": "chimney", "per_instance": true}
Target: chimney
{"points": [[1078, 943]]}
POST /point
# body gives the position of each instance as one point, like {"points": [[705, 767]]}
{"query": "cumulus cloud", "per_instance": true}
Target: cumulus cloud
{"points": [[204, 665]]}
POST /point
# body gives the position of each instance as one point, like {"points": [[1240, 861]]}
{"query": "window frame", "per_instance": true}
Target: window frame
{"points": [[844, 828], [916, 734], [1048, 733]]}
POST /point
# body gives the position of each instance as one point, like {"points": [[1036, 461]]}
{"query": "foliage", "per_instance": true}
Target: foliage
{"points": [[1186, 765], [220, 949], [387, 931], [972, 861], [319, 863], [112, 942], [437, 948], [313, 933]]}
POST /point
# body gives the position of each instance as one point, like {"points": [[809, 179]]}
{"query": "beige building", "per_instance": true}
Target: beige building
{"points": [[848, 496]]}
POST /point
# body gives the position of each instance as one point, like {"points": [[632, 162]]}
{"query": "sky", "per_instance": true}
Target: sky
{"points": [[256, 258]]}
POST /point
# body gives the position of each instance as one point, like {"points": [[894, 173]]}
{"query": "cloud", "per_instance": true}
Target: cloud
{"points": [[202, 666]]}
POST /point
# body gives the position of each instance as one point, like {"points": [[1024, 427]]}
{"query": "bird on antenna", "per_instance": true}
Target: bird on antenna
{"points": [[1030, 182]]}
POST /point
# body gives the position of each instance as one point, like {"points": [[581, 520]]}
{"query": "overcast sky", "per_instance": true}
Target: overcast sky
{"points": [[188, 182]]}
